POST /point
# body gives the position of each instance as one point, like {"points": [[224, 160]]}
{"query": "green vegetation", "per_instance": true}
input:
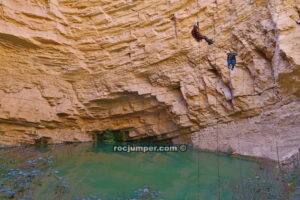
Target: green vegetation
{"points": [[265, 186], [112, 136], [20, 180]]}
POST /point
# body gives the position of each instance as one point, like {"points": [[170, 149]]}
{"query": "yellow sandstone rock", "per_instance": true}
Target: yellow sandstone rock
{"points": [[70, 69]]}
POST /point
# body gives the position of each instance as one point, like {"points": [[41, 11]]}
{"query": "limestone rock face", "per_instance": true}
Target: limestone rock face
{"points": [[70, 69]]}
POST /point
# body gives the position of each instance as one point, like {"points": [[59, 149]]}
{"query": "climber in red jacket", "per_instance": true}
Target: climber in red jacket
{"points": [[198, 37]]}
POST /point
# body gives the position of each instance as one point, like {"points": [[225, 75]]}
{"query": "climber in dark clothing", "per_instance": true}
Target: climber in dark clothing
{"points": [[231, 59], [198, 37]]}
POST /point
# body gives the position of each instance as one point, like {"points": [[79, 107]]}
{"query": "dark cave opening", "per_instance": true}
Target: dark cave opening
{"points": [[110, 136], [42, 141]]}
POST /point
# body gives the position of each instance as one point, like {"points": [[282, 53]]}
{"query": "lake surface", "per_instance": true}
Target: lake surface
{"points": [[94, 171]]}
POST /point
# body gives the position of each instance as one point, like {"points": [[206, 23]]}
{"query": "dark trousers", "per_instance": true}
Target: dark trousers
{"points": [[231, 63], [199, 37]]}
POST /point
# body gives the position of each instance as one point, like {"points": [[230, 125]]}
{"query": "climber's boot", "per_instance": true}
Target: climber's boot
{"points": [[209, 42]]}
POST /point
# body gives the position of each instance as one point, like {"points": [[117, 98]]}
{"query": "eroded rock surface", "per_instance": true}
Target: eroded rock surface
{"points": [[70, 69]]}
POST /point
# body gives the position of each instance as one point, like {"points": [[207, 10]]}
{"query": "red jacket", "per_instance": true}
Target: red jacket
{"points": [[196, 34]]}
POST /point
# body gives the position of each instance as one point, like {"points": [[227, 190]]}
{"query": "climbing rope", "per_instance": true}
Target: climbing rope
{"points": [[198, 174], [216, 100], [2, 9], [240, 165], [173, 18], [169, 5], [198, 152], [231, 6], [198, 6]]}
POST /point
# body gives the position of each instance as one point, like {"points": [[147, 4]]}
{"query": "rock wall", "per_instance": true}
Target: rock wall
{"points": [[70, 69], [272, 134]]}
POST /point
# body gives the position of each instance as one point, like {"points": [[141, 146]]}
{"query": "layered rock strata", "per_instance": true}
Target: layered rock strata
{"points": [[72, 69]]}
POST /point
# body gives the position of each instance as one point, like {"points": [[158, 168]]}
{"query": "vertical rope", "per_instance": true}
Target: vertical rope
{"points": [[218, 163], [216, 104], [231, 27], [231, 45], [1, 10], [278, 158], [240, 164], [281, 172], [198, 181], [277, 149], [277, 34], [297, 10], [275, 87], [129, 46], [198, 7], [198, 174], [173, 18], [169, 4]]}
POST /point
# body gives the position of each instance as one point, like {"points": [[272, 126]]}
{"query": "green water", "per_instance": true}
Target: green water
{"points": [[97, 170], [187, 175]]}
